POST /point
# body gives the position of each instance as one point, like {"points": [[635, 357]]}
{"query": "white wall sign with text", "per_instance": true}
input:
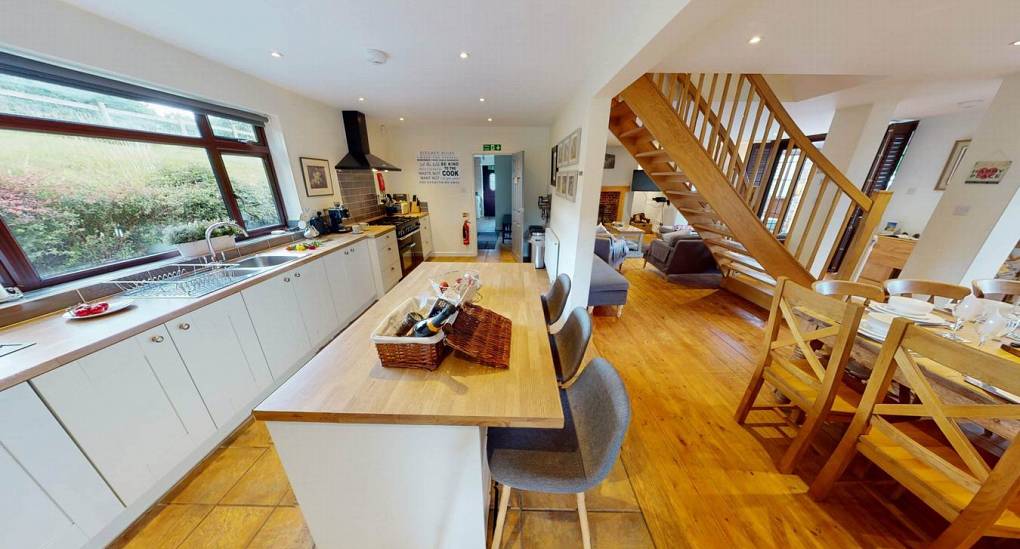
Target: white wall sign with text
{"points": [[437, 167]]}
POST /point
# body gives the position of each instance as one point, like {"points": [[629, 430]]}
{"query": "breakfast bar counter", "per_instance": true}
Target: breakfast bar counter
{"points": [[382, 457]]}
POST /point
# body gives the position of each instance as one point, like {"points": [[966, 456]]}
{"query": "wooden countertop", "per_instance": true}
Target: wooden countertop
{"points": [[345, 383], [59, 340]]}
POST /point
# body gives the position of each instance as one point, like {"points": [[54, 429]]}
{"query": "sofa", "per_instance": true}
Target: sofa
{"points": [[676, 253], [612, 250], [608, 286]]}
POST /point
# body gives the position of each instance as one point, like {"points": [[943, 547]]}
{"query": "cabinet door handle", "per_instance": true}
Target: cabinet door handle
{"points": [[297, 275], [286, 279], [184, 326], [389, 248], [157, 339]]}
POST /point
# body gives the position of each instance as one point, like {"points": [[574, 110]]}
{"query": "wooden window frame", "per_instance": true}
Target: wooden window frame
{"points": [[17, 270]]}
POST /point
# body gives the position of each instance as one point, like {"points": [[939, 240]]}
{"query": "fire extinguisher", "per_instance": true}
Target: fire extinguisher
{"points": [[467, 232], [382, 182]]}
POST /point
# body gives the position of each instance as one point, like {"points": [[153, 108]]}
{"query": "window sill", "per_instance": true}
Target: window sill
{"points": [[57, 298]]}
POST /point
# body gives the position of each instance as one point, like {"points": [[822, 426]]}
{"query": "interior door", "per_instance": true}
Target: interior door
{"points": [[517, 213]]}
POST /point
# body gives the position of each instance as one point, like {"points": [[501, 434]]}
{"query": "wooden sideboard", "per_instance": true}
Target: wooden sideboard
{"points": [[885, 258]]}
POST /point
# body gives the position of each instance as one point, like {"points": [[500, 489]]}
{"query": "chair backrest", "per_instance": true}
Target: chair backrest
{"points": [[794, 307], [931, 288], [572, 341], [912, 351], [1007, 290], [847, 289], [555, 300], [601, 411]]}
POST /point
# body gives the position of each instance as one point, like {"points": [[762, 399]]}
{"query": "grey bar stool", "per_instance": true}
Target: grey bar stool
{"points": [[569, 344], [571, 460], [554, 301]]}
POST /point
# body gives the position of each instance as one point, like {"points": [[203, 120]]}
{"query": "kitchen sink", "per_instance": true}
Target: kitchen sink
{"points": [[195, 280], [264, 261]]}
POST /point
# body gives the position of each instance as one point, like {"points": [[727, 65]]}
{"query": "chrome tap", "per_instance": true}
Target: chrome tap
{"points": [[213, 227]]}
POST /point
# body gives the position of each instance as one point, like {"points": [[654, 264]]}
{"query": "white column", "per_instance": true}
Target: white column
{"points": [[974, 227], [574, 222], [851, 144]]}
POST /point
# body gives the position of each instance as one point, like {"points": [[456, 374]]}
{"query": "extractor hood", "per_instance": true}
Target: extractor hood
{"points": [[358, 155]]}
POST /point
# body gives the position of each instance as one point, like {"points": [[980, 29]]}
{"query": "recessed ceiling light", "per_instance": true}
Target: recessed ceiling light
{"points": [[401, 118], [482, 99], [1016, 43], [464, 55], [276, 54], [361, 99], [754, 39], [490, 120]]}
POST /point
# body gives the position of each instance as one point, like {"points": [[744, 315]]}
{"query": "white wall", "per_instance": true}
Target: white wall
{"points": [[574, 222], [299, 126], [448, 202], [974, 227], [914, 195], [623, 174]]}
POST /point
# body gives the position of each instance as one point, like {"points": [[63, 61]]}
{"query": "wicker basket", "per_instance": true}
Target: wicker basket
{"points": [[482, 335], [408, 352]]}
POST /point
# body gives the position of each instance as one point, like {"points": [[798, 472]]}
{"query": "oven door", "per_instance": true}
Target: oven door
{"points": [[410, 253]]}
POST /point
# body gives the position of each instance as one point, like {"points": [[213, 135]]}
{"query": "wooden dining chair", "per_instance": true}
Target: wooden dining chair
{"points": [[910, 287], [921, 444], [789, 363], [847, 289], [1006, 290]]}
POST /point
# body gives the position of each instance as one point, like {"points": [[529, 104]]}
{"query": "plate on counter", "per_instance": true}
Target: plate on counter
{"points": [[113, 306]]}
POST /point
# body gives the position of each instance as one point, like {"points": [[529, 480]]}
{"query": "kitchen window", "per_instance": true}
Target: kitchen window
{"points": [[93, 171]]}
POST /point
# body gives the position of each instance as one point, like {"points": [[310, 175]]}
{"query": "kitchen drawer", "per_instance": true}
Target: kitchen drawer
{"points": [[391, 275]]}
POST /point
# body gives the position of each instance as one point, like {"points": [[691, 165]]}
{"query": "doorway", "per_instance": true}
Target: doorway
{"points": [[497, 184]]}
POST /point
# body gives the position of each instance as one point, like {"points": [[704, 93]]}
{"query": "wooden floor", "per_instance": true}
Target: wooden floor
{"points": [[689, 476]]}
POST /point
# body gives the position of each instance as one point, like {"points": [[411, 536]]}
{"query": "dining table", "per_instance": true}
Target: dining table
{"points": [[950, 386]]}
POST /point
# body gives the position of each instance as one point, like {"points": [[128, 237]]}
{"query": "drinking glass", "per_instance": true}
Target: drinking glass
{"points": [[992, 326], [966, 310]]}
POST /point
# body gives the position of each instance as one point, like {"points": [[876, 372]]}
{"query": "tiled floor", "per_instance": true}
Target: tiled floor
{"points": [[239, 497]]}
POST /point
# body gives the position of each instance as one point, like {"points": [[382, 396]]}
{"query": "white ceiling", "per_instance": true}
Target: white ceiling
{"points": [[855, 37], [528, 57]]}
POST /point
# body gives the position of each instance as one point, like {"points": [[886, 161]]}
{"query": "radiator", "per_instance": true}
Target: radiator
{"points": [[552, 254]]}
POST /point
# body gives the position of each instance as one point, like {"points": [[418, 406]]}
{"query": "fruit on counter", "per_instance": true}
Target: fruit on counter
{"points": [[89, 309], [302, 246]]}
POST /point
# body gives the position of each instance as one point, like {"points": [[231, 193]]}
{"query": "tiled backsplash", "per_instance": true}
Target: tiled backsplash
{"points": [[357, 189]]}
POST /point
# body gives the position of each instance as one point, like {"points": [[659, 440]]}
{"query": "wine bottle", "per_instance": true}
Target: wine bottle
{"points": [[430, 326], [410, 320]]}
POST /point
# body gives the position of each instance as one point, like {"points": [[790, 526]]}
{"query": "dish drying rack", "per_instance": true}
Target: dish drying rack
{"points": [[183, 280]]}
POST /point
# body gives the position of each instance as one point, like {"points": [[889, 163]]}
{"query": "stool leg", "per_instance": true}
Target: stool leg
{"points": [[582, 514], [504, 502]]}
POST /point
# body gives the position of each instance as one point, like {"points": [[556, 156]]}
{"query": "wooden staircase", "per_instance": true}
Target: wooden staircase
{"points": [[713, 143]]}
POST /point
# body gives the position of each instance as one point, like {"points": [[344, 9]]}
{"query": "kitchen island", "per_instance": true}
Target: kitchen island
{"points": [[382, 457]]}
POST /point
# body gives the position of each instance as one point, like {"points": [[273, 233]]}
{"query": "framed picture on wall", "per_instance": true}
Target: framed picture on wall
{"points": [[952, 163], [555, 165], [575, 146], [318, 181]]}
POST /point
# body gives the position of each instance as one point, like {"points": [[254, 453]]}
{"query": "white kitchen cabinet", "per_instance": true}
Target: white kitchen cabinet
{"points": [[311, 290], [132, 408], [426, 237], [385, 263], [53, 497], [277, 320], [350, 280], [223, 354]]}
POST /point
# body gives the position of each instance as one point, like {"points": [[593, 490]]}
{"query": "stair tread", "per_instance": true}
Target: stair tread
{"points": [[728, 244], [632, 132], [701, 227], [691, 194], [647, 154], [696, 211], [749, 272], [742, 259]]}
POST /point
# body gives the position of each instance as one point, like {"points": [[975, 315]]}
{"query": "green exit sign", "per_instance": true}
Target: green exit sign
{"points": [[489, 147]]}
